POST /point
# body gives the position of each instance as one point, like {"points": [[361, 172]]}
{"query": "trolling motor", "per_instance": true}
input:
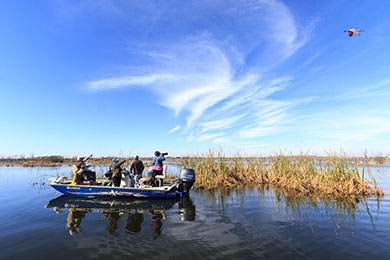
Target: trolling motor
{"points": [[186, 180]]}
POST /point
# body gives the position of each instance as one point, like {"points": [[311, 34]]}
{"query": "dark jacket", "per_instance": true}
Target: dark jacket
{"points": [[137, 167], [116, 169]]}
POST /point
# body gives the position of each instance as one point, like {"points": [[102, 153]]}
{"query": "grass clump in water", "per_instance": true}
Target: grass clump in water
{"points": [[332, 176]]}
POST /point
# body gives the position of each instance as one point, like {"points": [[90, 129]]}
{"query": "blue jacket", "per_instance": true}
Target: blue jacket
{"points": [[158, 160]]}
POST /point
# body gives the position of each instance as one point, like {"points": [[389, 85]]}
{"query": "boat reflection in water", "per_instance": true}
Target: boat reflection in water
{"points": [[186, 209], [73, 220], [114, 209]]}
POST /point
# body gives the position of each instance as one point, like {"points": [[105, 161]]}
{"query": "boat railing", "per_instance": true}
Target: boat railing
{"points": [[58, 180]]}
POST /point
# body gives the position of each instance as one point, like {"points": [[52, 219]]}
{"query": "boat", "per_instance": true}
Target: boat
{"points": [[179, 187]]}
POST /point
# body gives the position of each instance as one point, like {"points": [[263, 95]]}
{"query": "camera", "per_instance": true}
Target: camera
{"points": [[164, 154]]}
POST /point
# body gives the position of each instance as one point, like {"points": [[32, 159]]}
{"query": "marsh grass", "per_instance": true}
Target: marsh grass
{"points": [[331, 176]]}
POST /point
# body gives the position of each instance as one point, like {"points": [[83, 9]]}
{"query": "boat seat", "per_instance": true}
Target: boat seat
{"points": [[160, 178], [144, 182]]}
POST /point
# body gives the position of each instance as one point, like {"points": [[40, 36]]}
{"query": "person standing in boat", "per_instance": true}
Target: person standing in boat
{"points": [[117, 171], [137, 167], [157, 167]]}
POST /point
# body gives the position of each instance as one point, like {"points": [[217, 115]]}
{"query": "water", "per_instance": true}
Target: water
{"points": [[36, 222]]}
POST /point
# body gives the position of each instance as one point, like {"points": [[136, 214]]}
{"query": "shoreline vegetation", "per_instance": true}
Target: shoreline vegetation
{"points": [[331, 175], [58, 160]]}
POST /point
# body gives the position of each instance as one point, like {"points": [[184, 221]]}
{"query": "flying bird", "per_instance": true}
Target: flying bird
{"points": [[352, 31]]}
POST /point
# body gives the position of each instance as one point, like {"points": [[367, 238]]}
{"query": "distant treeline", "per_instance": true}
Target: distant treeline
{"points": [[58, 160], [52, 160]]}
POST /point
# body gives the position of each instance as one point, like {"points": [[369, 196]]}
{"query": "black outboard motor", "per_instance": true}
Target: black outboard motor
{"points": [[187, 178]]}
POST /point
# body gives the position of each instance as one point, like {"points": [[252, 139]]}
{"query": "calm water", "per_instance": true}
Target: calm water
{"points": [[37, 223]]}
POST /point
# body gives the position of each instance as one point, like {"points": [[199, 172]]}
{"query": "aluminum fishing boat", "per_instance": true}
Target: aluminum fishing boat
{"points": [[180, 186]]}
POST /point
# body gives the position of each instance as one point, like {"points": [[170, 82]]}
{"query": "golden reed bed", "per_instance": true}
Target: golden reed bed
{"points": [[331, 176]]}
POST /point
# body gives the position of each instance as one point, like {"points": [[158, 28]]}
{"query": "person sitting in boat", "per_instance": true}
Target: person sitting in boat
{"points": [[157, 168], [137, 167], [117, 171], [128, 178], [108, 178], [81, 174]]}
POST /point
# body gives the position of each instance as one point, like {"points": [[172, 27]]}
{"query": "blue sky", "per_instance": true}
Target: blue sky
{"points": [[254, 77]]}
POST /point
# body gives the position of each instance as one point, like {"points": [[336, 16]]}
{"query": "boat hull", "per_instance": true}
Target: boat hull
{"points": [[116, 192]]}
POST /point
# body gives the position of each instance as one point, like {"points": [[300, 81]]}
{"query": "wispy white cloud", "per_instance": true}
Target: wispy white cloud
{"points": [[253, 147], [271, 126], [364, 91], [285, 29], [255, 94], [358, 129], [129, 81], [175, 129], [219, 124], [204, 74], [190, 138], [219, 140], [210, 136]]}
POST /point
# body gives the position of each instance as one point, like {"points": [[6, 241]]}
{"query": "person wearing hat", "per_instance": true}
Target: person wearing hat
{"points": [[78, 170], [157, 168], [158, 162], [117, 171], [137, 167], [81, 173]]}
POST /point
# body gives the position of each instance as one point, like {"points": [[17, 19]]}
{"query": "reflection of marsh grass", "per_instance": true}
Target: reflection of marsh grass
{"points": [[332, 176], [293, 207], [342, 211]]}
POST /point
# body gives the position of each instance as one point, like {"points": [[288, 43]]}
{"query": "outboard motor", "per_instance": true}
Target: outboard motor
{"points": [[187, 178]]}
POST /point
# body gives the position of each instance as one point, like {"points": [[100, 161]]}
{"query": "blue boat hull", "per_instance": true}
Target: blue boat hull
{"points": [[116, 192]]}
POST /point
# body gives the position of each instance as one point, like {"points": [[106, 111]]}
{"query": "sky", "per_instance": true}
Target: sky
{"points": [[124, 78]]}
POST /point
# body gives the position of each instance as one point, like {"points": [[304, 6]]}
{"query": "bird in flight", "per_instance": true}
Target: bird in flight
{"points": [[352, 31]]}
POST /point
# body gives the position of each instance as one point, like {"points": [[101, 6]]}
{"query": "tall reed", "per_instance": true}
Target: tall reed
{"points": [[331, 176]]}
